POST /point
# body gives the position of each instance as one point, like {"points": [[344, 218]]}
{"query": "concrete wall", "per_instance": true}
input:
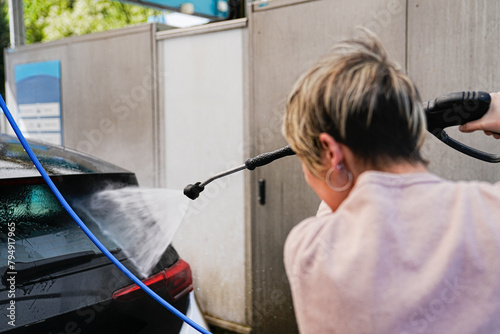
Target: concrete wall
{"points": [[108, 94], [202, 72], [444, 45]]}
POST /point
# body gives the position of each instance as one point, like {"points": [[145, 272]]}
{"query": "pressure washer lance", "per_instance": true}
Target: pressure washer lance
{"points": [[447, 110], [193, 190]]}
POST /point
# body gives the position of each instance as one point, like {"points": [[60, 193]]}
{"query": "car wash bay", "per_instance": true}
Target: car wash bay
{"points": [[178, 106]]}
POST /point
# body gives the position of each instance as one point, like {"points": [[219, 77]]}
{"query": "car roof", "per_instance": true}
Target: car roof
{"points": [[56, 160]]}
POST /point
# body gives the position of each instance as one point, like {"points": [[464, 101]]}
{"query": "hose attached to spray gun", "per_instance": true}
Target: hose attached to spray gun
{"points": [[86, 230]]}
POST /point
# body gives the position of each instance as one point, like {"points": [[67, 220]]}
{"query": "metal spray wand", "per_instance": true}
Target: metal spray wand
{"points": [[193, 190]]}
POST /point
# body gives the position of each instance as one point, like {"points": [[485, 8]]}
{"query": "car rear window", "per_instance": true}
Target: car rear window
{"points": [[42, 228], [15, 162]]}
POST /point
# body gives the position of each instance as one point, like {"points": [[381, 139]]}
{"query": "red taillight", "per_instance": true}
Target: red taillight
{"points": [[177, 280]]}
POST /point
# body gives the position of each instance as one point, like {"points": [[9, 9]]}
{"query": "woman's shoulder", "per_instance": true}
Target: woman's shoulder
{"points": [[306, 233], [415, 183]]}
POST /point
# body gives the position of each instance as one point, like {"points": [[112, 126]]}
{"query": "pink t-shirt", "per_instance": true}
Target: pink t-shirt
{"points": [[404, 253]]}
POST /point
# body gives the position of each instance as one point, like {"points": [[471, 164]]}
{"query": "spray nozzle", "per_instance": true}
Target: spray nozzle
{"points": [[193, 190]]}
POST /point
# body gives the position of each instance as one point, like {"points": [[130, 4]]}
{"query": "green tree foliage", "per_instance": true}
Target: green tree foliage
{"points": [[4, 41], [47, 20]]}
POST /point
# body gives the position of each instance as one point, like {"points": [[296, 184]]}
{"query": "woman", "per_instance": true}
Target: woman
{"points": [[393, 248]]}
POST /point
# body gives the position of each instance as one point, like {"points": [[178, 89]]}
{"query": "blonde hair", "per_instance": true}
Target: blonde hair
{"points": [[362, 100]]}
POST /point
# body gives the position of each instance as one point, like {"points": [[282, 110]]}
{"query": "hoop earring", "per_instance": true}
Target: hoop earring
{"points": [[336, 188]]}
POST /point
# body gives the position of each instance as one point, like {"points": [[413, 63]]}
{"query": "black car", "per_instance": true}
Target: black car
{"points": [[53, 278]]}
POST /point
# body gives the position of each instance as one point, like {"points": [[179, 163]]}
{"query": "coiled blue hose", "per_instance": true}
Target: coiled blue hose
{"points": [[86, 230]]}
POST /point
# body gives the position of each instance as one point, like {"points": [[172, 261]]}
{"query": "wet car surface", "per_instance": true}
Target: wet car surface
{"points": [[53, 278]]}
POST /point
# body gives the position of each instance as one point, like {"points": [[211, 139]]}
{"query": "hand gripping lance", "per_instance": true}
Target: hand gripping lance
{"points": [[457, 109]]}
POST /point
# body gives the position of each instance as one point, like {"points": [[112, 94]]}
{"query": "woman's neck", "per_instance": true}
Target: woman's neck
{"points": [[404, 168], [394, 167]]}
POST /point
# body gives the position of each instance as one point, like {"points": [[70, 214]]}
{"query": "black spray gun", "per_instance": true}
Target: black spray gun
{"points": [[457, 109], [445, 111]]}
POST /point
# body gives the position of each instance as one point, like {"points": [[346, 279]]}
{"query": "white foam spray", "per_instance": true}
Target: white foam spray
{"points": [[141, 221]]}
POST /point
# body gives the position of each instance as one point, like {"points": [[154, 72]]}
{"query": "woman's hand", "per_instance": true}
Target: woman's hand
{"points": [[490, 122]]}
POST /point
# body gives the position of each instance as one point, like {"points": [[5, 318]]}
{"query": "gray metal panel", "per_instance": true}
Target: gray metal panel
{"points": [[16, 23], [202, 102], [107, 89], [453, 46], [285, 41]]}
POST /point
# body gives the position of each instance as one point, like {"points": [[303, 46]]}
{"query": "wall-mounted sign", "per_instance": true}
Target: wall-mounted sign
{"points": [[209, 8], [38, 95]]}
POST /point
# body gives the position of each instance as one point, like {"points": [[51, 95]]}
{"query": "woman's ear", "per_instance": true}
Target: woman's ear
{"points": [[332, 149]]}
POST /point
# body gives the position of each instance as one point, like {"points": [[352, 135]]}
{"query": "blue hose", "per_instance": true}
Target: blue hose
{"points": [[86, 230]]}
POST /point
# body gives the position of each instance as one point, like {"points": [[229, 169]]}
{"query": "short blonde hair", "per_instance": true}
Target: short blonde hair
{"points": [[362, 100]]}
